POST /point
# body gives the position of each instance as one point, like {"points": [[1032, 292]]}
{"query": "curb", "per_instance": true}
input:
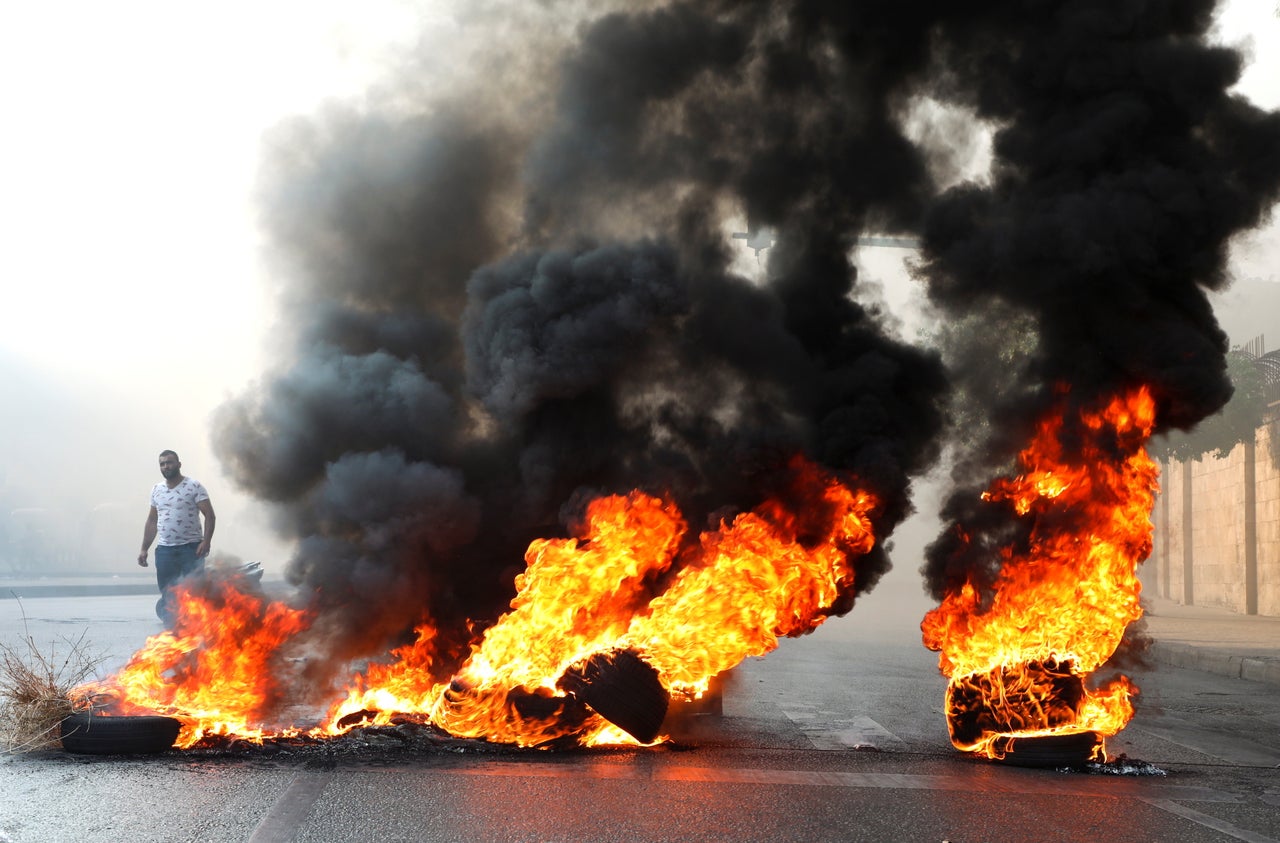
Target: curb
{"points": [[1217, 662], [30, 592]]}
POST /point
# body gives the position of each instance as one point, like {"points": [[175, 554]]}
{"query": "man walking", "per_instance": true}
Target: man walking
{"points": [[177, 502]]}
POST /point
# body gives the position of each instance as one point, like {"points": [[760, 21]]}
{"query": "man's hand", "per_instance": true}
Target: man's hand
{"points": [[203, 550], [142, 559]]}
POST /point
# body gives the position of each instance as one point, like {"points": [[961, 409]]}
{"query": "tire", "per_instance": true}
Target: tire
{"points": [[85, 734], [624, 689], [1071, 750]]}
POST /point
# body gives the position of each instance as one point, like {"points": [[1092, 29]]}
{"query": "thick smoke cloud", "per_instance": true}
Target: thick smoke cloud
{"points": [[552, 326], [504, 305], [1124, 166]]}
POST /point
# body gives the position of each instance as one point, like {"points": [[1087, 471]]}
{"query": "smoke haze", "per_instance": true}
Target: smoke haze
{"points": [[511, 301], [513, 316], [505, 281]]}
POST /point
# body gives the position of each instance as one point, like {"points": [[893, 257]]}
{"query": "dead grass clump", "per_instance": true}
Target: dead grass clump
{"points": [[36, 691]]}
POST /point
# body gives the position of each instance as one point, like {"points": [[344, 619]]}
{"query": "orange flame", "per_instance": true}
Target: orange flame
{"points": [[756, 581], [386, 690], [1018, 659], [633, 581], [739, 588], [215, 671], [574, 599]]}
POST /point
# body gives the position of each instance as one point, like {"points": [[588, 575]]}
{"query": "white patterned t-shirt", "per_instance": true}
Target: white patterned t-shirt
{"points": [[178, 511]]}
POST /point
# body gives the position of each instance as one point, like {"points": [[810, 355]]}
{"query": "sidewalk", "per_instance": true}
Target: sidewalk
{"points": [[1214, 640], [89, 585]]}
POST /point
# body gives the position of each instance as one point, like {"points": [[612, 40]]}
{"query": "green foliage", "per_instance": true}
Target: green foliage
{"points": [[1234, 424]]}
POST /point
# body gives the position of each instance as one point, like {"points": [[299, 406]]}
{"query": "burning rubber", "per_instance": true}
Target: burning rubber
{"points": [[1022, 649], [623, 689], [722, 458], [1066, 750]]}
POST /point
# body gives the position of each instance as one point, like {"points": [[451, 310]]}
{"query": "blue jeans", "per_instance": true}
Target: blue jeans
{"points": [[173, 562]]}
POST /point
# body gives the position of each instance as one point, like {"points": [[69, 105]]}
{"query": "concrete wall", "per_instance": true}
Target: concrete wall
{"points": [[1217, 529], [1268, 508]]}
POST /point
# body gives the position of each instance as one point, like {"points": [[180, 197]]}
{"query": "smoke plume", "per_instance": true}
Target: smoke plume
{"points": [[1124, 165], [503, 304]]}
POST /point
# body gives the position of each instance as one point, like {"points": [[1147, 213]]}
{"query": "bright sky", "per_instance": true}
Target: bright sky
{"points": [[129, 262], [130, 257], [130, 147], [1255, 24]]}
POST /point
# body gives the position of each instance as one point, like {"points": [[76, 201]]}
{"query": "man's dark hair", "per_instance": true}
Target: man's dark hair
{"points": [[173, 454]]}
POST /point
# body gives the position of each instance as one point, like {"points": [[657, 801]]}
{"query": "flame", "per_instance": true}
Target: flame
{"points": [[216, 670], [575, 598], [755, 581], [1018, 658], [383, 691], [738, 588], [634, 580]]}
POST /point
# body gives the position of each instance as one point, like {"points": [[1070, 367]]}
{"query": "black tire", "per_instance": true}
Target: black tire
{"points": [[624, 689], [86, 734], [1049, 751]]}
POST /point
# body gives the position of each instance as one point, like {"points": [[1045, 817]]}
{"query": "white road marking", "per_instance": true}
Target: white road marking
{"points": [[1209, 822], [831, 732], [286, 816]]}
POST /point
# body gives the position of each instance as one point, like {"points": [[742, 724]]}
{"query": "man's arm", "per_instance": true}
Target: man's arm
{"points": [[206, 509], [148, 535]]}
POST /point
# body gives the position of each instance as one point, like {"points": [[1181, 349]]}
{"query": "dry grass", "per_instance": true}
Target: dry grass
{"points": [[36, 690]]}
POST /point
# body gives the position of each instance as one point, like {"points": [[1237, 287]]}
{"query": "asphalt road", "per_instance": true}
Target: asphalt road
{"points": [[835, 736]]}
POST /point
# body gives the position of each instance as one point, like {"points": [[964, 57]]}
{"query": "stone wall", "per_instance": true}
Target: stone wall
{"points": [[1217, 535]]}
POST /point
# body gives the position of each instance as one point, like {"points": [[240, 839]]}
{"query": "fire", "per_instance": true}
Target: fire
{"points": [[575, 598], [1018, 658], [386, 690], [738, 589], [216, 670], [634, 582], [755, 581]]}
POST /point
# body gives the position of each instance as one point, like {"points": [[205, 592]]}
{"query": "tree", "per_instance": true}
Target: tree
{"points": [[1236, 423]]}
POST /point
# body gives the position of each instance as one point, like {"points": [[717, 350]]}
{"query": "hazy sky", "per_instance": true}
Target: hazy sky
{"points": [[134, 301]]}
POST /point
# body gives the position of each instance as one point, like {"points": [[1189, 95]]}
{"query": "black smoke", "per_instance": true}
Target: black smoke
{"points": [[502, 304], [1124, 165]]}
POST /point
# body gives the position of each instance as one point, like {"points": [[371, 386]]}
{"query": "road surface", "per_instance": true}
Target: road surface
{"points": [[835, 736]]}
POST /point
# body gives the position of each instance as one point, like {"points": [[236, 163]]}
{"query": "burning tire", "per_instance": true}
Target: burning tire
{"points": [[87, 734], [1069, 750], [622, 688]]}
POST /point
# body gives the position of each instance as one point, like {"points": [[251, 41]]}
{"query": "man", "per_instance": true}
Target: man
{"points": [[177, 502]]}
